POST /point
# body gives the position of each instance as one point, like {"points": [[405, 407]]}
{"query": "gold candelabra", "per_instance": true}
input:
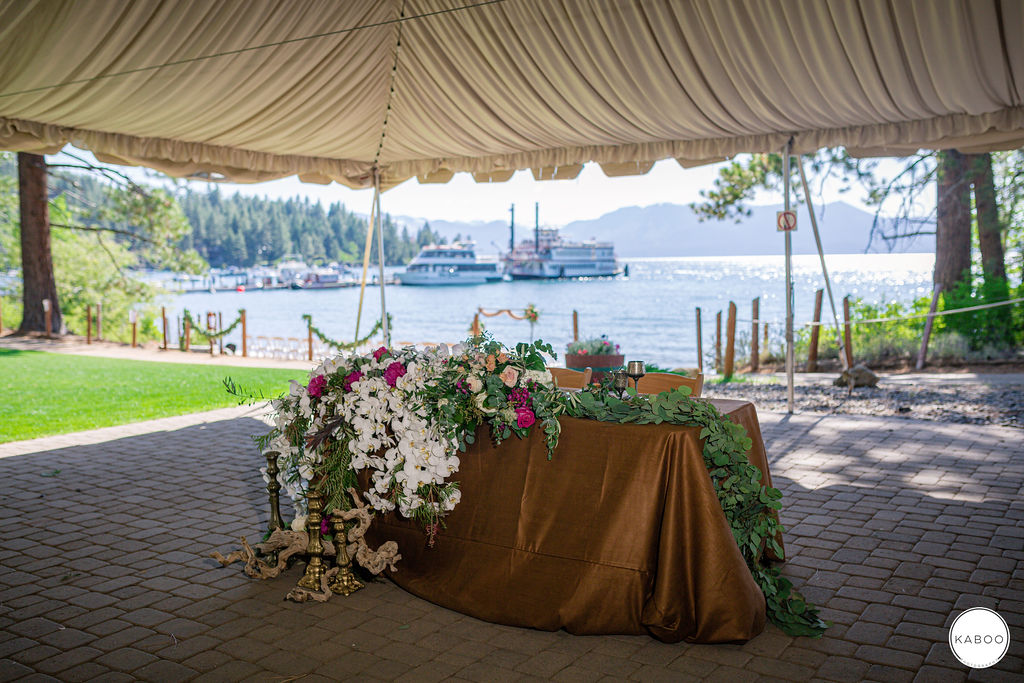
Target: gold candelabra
{"points": [[345, 581], [315, 550]]}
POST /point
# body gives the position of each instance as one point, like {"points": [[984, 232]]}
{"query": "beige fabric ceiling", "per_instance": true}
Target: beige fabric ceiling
{"points": [[493, 87]]}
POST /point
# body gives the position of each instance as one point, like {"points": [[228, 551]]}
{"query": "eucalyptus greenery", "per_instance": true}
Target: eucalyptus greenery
{"points": [[197, 329], [749, 506], [344, 346]]}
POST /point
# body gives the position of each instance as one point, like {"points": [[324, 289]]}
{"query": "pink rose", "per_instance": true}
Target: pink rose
{"points": [[351, 379], [509, 376], [380, 352], [316, 386], [525, 418], [394, 371]]}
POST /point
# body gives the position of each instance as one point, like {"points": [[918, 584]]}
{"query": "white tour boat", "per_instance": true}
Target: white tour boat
{"points": [[450, 264]]}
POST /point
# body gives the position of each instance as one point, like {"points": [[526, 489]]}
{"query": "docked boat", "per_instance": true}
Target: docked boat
{"points": [[450, 264], [548, 255]]}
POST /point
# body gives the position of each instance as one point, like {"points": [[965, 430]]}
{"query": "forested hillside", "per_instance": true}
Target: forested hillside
{"points": [[244, 231], [235, 230]]}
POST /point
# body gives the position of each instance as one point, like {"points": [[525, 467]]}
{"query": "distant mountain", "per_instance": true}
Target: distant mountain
{"points": [[673, 230]]}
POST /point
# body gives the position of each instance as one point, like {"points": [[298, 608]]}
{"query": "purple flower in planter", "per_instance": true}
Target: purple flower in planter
{"points": [[351, 379]]}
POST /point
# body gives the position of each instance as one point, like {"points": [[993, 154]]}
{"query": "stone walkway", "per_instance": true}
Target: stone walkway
{"points": [[894, 527]]}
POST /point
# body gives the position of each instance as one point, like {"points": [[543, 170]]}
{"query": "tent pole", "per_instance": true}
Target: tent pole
{"points": [[789, 283], [380, 259], [366, 258], [821, 255]]}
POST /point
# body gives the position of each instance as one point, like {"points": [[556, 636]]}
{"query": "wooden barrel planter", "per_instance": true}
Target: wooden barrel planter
{"points": [[599, 363]]}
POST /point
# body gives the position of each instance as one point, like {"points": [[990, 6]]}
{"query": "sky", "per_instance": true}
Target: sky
{"points": [[588, 196]]}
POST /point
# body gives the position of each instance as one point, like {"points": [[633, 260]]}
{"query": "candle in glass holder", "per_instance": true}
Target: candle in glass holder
{"points": [[635, 369], [620, 381]]}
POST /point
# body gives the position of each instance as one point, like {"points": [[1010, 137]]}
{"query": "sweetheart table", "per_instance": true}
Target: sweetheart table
{"points": [[620, 532]]}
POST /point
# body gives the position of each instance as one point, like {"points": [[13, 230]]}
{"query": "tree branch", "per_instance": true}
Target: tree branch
{"points": [[110, 173], [100, 228]]}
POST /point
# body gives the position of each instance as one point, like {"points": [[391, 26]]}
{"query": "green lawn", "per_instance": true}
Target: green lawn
{"points": [[42, 394]]}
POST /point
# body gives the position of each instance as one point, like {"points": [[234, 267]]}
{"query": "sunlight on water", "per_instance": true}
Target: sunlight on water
{"points": [[650, 314]]}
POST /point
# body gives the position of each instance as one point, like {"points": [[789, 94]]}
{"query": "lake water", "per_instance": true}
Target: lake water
{"points": [[650, 314]]}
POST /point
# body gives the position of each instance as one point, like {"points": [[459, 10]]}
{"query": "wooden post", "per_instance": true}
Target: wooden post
{"points": [[99, 322], [309, 335], [48, 315], [575, 326], [163, 319], [209, 327], [476, 324], [133, 318], [188, 334], [718, 341], [244, 333], [847, 331], [755, 352], [812, 351], [923, 353], [220, 328], [730, 340], [700, 350], [88, 323]]}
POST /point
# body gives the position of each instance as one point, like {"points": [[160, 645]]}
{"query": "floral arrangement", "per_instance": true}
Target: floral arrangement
{"points": [[590, 347], [404, 415], [531, 314]]}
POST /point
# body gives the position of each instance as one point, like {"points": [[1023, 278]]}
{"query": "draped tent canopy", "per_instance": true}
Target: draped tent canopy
{"points": [[251, 90]]}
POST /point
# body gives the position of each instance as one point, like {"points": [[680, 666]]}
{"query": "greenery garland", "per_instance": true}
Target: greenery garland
{"points": [[210, 336], [344, 346], [748, 504]]}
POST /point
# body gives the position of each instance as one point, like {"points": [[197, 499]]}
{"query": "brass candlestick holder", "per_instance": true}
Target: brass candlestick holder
{"points": [[315, 550], [273, 490], [345, 581]]}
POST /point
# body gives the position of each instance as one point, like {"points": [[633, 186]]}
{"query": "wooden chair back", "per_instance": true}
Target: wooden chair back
{"points": [[657, 382], [570, 379]]}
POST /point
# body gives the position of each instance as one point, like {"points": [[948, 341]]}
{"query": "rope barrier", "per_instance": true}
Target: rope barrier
{"points": [[530, 313], [914, 316]]}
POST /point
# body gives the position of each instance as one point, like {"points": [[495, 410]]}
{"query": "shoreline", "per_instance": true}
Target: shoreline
{"points": [[981, 394]]}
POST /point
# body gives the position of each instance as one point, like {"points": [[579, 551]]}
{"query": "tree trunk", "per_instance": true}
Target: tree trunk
{"points": [[993, 263], [953, 221], [36, 259]]}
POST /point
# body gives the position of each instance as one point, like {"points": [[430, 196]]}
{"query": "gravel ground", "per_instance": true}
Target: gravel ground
{"points": [[965, 403]]}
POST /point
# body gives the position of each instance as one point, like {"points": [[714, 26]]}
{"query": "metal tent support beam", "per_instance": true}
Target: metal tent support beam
{"points": [[380, 259], [789, 282], [366, 251], [824, 269]]}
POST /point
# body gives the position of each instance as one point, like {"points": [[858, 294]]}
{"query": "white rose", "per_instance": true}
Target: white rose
{"points": [[299, 523], [479, 400]]}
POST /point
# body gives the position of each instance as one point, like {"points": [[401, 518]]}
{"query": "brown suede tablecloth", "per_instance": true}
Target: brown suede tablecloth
{"points": [[620, 532]]}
